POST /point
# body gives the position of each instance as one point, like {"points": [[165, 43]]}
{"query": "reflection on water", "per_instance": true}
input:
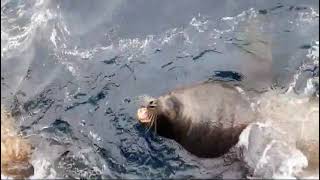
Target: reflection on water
{"points": [[71, 74]]}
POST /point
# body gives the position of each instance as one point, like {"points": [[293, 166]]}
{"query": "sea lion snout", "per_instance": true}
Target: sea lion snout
{"points": [[142, 115], [148, 111]]}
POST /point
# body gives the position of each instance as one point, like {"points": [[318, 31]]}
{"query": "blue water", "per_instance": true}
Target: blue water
{"points": [[72, 73]]}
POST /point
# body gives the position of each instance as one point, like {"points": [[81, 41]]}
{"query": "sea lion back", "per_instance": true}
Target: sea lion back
{"points": [[214, 102]]}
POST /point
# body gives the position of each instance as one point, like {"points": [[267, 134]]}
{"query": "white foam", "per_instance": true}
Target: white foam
{"points": [[227, 18], [53, 37], [169, 36], [279, 156], [200, 25], [19, 41], [95, 136], [309, 89], [309, 16], [264, 158], [292, 166], [244, 137], [43, 169]]}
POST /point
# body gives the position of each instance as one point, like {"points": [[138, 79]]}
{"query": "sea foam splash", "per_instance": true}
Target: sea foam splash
{"points": [[285, 143]]}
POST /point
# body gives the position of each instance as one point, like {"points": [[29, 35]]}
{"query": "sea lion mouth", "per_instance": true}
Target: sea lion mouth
{"points": [[147, 116], [143, 115]]}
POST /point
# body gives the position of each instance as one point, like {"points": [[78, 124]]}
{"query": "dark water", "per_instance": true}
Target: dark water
{"points": [[72, 72]]}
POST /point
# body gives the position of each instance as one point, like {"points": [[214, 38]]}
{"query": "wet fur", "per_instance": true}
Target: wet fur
{"points": [[15, 149], [206, 118]]}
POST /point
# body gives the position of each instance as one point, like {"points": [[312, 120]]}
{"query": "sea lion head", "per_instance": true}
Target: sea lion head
{"points": [[154, 111], [148, 112]]}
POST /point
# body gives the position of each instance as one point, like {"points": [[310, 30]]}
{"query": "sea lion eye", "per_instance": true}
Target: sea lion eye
{"points": [[152, 104]]}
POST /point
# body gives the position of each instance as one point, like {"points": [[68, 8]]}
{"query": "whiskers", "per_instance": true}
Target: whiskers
{"points": [[153, 121], [149, 103]]}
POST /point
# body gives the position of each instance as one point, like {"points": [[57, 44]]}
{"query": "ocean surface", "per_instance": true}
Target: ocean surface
{"points": [[72, 74]]}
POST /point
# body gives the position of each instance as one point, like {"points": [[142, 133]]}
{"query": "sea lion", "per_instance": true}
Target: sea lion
{"points": [[16, 150], [206, 118]]}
